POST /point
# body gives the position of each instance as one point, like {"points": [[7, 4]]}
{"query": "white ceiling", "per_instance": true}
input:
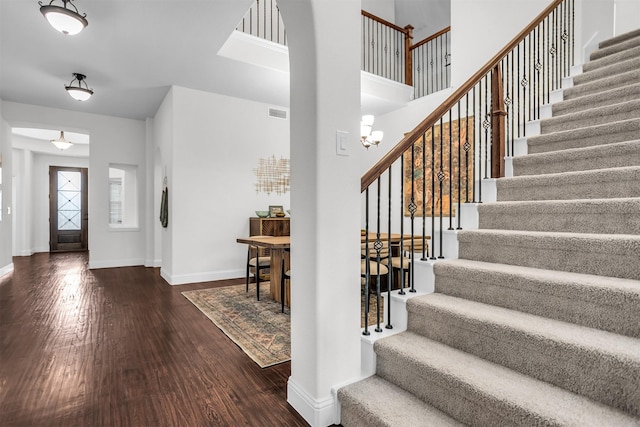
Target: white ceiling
{"points": [[131, 52]]}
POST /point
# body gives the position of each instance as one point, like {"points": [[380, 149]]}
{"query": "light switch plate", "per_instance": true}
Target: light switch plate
{"points": [[342, 143]]}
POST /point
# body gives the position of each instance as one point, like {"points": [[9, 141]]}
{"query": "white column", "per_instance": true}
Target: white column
{"points": [[324, 55]]}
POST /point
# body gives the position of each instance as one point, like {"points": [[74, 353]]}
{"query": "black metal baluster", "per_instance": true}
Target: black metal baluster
{"points": [[378, 247], [401, 222], [450, 171], [441, 177], [459, 189], [412, 210], [389, 269], [433, 191], [573, 33], [475, 152], [467, 146], [424, 199], [367, 268], [485, 125]]}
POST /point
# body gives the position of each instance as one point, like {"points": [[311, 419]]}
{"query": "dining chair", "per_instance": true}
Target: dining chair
{"points": [[256, 266], [402, 262], [286, 275], [375, 270]]}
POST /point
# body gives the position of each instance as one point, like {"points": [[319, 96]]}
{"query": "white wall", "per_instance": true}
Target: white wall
{"points": [[384, 9], [627, 16], [6, 263], [426, 16], [113, 140], [215, 145]]}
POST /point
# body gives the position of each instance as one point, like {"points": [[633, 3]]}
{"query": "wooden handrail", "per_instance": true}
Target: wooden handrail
{"points": [[431, 37], [388, 159], [383, 21]]}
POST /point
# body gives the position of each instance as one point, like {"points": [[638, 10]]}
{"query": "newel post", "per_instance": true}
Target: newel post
{"points": [[498, 114], [408, 57]]}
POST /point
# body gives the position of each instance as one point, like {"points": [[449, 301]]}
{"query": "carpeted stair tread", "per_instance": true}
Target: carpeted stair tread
{"points": [[478, 392], [614, 55], [608, 133], [600, 99], [619, 39], [598, 364], [623, 66], [613, 255], [615, 155], [615, 81], [601, 302], [375, 402], [593, 116], [589, 184], [614, 216]]}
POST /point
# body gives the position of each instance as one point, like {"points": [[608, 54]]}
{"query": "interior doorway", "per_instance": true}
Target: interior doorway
{"points": [[68, 213]]}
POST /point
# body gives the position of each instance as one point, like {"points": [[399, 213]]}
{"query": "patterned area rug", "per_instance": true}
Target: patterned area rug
{"points": [[257, 327]]}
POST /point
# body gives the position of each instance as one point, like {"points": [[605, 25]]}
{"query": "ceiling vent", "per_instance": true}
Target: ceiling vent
{"points": [[278, 114]]}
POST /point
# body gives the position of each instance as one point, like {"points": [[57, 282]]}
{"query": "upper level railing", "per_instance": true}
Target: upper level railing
{"points": [[387, 49], [263, 20], [418, 188]]}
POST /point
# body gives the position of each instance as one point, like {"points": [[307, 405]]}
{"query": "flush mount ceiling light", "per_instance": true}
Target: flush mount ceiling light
{"points": [[63, 19], [78, 92], [367, 137], [61, 143]]}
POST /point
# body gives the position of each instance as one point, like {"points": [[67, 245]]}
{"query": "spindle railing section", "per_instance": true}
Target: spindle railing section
{"points": [[387, 49], [263, 20], [431, 60], [418, 188]]}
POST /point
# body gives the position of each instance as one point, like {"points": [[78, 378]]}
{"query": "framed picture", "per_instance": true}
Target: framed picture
{"points": [[274, 210]]}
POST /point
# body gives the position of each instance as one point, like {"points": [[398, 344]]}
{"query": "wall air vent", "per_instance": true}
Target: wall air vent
{"points": [[278, 114]]}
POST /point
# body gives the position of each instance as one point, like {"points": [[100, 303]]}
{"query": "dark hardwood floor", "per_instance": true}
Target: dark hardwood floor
{"points": [[120, 347]]}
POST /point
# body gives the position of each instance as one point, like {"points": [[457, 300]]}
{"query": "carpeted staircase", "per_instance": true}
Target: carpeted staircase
{"points": [[538, 321]]}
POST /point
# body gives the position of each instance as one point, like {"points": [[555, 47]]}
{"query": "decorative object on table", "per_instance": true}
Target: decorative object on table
{"points": [[257, 327], [273, 175], [457, 139], [262, 214], [367, 136], [276, 211]]}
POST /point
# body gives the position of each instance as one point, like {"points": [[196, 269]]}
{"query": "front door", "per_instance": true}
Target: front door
{"points": [[68, 215]]}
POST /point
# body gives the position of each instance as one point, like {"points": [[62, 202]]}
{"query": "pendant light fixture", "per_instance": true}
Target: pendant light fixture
{"points": [[63, 19], [367, 137], [78, 92], [61, 143]]}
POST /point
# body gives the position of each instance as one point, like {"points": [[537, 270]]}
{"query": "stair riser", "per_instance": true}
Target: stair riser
{"points": [[543, 299], [613, 58], [614, 82], [593, 136], [573, 162], [563, 189], [608, 71], [353, 415], [602, 222], [595, 101], [619, 47], [598, 376], [564, 124], [451, 396], [603, 259]]}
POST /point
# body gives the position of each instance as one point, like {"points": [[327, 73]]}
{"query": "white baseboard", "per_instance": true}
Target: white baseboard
{"points": [[6, 269], [207, 276], [153, 263], [114, 263], [317, 412], [26, 252]]}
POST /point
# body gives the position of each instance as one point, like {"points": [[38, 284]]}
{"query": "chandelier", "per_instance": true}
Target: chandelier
{"points": [[367, 136], [61, 143], [63, 19]]}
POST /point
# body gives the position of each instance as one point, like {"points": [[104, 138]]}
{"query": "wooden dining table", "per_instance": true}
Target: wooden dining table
{"points": [[277, 246]]}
